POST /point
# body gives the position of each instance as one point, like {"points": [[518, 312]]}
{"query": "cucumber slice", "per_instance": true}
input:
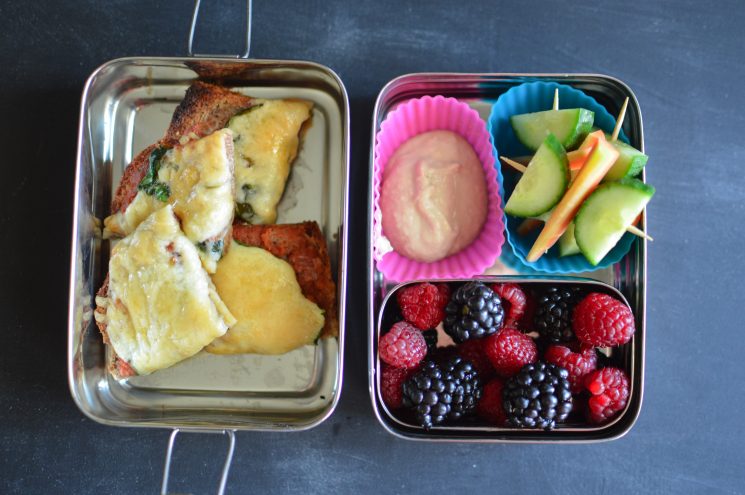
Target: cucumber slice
{"points": [[567, 244], [543, 183], [570, 126], [629, 163], [602, 219]]}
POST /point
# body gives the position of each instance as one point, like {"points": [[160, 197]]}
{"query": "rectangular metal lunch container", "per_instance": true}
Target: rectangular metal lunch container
{"points": [[628, 277], [127, 105]]}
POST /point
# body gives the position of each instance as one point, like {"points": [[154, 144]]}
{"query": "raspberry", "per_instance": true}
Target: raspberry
{"points": [[473, 351], [513, 300], [531, 306], [578, 364], [404, 346], [490, 406], [510, 350], [423, 305], [602, 321], [391, 381], [610, 392]]}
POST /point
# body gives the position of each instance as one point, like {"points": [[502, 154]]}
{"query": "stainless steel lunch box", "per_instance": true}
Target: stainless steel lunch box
{"points": [[127, 105], [627, 279]]}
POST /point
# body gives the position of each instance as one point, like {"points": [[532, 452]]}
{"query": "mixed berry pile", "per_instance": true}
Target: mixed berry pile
{"points": [[517, 358]]}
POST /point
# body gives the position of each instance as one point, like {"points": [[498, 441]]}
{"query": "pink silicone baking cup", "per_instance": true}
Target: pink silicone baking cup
{"points": [[415, 117]]}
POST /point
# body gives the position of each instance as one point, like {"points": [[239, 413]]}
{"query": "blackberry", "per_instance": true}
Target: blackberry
{"points": [[475, 311], [430, 336], [429, 395], [553, 317], [538, 396], [438, 392], [467, 391]]}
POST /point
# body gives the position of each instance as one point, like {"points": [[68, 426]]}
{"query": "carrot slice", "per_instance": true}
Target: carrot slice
{"points": [[578, 157], [592, 140], [601, 159]]}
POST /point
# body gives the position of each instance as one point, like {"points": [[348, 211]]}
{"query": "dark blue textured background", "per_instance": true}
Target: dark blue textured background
{"points": [[683, 59]]}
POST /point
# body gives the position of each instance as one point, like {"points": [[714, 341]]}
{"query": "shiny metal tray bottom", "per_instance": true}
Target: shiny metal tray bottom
{"points": [[628, 276], [127, 105]]}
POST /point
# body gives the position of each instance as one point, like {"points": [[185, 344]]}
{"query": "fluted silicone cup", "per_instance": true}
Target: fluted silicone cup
{"points": [[537, 97], [409, 119]]}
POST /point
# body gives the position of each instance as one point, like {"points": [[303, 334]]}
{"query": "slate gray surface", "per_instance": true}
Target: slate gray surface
{"points": [[682, 58]]}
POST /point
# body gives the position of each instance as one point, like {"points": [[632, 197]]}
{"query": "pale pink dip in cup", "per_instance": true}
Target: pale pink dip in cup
{"points": [[433, 196]]}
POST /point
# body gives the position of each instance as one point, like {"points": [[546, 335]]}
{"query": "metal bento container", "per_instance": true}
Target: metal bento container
{"points": [[626, 279], [127, 104]]}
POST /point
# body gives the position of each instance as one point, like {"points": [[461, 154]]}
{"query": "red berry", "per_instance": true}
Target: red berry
{"points": [[391, 381], [473, 350], [513, 300], [610, 392], [490, 406], [403, 346], [510, 350], [578, 364], [602, 321], [423, 305], [531, 306]]}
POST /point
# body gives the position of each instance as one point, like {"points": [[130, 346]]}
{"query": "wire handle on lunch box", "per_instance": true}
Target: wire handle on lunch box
{"points": [[225, 468], [193, 29]]}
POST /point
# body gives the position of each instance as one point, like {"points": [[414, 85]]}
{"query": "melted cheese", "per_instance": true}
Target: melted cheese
{"points": [[263, 293], [200, 177], [162, 306], [266, 142]]}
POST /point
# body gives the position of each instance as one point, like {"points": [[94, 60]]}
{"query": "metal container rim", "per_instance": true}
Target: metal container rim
{"points": [[341, 265]]}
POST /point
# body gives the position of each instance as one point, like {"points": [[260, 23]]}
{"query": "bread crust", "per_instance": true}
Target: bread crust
{"points": [[206, 108], [118, 367]]}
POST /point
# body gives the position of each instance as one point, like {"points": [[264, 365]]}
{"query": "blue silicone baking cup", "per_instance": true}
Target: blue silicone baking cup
{"points": [[536, 97]]}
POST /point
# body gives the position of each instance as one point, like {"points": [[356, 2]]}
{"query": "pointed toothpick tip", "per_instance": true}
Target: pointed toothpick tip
{"points": [[619, 120], [639, 233], [512, 163]]}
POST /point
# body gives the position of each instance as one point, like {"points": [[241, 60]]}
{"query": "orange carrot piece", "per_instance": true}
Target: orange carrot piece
{"points": [[578, 157], [601, 159]]}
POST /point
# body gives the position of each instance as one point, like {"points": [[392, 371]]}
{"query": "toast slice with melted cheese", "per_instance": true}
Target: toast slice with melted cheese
{"points": [[266, 144], [158, 305], [206, 108], [262, 292], [196, 178], [266, 139], [303, 246]]}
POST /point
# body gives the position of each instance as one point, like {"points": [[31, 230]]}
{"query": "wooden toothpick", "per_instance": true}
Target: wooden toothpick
{"points": [[556, 99], [512, 163], [639, 233], [619, 120]]}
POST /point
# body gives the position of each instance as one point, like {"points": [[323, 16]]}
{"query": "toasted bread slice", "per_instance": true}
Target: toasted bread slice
{"points": [[303, 246], [159, 306], [205, 109], [196, 178]]}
